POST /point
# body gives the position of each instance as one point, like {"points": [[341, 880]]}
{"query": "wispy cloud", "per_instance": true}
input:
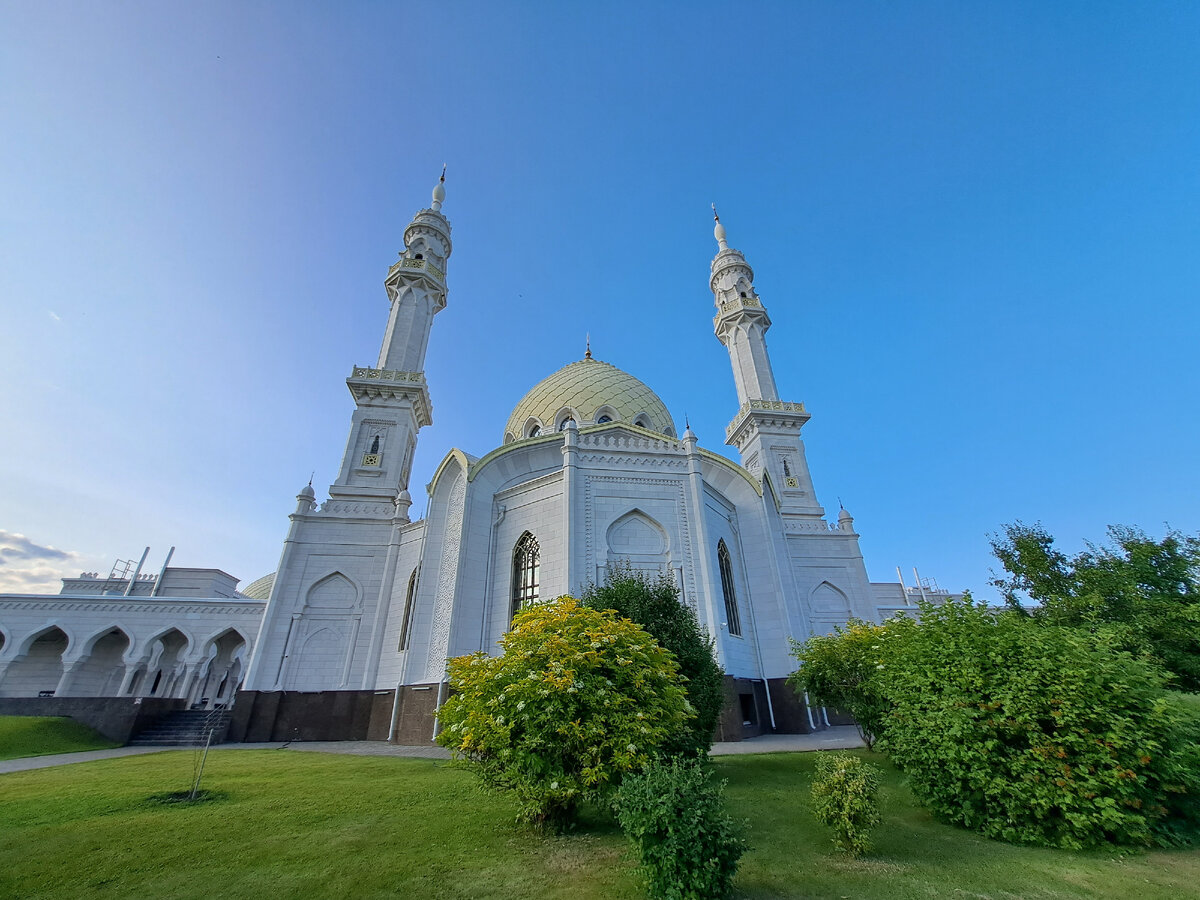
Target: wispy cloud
{"points": [[27, 566]]}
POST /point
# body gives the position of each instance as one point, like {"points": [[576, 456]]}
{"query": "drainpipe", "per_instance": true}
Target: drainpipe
{"points": [[753, 624], [441, 698]]}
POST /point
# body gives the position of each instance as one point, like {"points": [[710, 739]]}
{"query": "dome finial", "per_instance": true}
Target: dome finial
{"points": [[719, 230], [587, 353], [439, 191]]}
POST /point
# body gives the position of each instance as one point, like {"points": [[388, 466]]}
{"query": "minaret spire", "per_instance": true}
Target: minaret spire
{"points": [[719, 230], [439, 191]]}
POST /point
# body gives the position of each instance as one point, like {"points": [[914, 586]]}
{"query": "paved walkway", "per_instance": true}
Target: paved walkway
{"points": [[61, 759], [839, 737]]}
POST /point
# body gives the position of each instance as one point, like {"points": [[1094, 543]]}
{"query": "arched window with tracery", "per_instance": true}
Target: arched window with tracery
{"points": [[526, 572], [409, 597], [731, 608]]}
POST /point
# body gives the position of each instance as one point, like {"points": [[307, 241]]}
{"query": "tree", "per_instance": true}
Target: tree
{"points": [[654, 604], [1038, 733], [577, 699], [843, 670], [1144, 594]]}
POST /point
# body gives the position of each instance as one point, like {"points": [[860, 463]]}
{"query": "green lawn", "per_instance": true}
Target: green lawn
{"points": [[307, 825], [39, 735]]}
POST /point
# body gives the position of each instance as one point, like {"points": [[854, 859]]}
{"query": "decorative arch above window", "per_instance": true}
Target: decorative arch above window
{"points": [[731, 608], [526, 572], [643, 422], [410, 595]]}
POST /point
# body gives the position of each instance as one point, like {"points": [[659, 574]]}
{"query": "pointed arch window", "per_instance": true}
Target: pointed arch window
{"points": [[731, 608], [409, 596], [526, 572]]}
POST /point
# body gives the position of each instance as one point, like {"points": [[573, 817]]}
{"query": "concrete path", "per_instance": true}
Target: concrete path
{"points": [[839, 737], [26, 763], [836, 737]]}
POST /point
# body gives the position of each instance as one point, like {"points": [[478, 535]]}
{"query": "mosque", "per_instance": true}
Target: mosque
{"points": [[349, 638]]}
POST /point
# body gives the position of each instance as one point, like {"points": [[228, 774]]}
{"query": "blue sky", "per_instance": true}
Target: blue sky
{"points": [[976, 227]]}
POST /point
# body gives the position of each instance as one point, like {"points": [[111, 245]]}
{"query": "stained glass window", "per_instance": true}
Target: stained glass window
{"points": [[731, 609], [526, 572]]}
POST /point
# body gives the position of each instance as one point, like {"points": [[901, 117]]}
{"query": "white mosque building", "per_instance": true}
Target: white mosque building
{"points": [[350, 637]]}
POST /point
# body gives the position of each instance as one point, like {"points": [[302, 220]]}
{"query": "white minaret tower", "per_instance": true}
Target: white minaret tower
{"points": [[392, 398], [325, 619], [766, 430]]}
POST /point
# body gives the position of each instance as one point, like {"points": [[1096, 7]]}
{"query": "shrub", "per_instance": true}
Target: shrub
{"points": [[654, 604], [845, 797], [842, 669], [1037, 733], [674, 815], [578, 698]]}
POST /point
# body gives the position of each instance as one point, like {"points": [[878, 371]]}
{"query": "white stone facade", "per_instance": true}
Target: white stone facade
{"points": [[589, 470]]}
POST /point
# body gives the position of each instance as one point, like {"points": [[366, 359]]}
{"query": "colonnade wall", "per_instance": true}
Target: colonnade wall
{"points": [[191, 649]]}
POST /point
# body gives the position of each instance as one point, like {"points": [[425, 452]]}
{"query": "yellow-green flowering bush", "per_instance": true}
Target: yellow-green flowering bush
{"points": [[578, 698]]}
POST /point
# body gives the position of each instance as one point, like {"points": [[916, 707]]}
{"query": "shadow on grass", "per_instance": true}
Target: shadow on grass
{"points": [[185, 798]]}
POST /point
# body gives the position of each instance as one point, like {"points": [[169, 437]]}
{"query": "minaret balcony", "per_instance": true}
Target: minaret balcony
{"points": [[777, 413], [368, 384], [425, 266]]}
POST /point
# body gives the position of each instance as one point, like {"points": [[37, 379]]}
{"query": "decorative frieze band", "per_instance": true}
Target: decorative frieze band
{"points": [[387, 374], [165, 606]]}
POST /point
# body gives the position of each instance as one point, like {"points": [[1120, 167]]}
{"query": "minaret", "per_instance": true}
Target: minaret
{"points": [[392, 398], [766, 430]]}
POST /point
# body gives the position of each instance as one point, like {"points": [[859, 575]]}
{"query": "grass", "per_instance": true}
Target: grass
{"points": [[285, 824], [41, 735]]}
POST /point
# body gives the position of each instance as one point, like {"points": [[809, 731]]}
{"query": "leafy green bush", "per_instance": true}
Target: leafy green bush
{"points": [[845, 797], [654, 604], [1037, 733], [578, 698], [843, 670], [674, 814]]}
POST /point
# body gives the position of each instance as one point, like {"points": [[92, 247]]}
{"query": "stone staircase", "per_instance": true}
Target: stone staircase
{"points": [[185, 728]]}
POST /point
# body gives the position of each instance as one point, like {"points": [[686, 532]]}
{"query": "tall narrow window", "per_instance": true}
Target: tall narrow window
{"points": [[410, 595], [731, 608], [526, 572]]}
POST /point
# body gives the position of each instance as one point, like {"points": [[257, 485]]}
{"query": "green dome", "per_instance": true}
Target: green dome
{"points": [[260, 588], [587, 391]]}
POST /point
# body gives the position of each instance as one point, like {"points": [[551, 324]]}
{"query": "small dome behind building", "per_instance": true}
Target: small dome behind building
{"points": [[260, 588], [591, 392]]}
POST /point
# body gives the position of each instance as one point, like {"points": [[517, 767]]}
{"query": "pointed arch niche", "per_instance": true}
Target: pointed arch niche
{"points": [[326, 635], [639, 541], [333, 593], [828, 606]]}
